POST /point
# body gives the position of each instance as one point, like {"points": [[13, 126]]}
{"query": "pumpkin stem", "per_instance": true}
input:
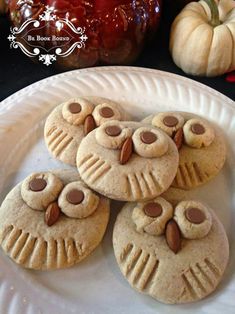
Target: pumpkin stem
{"points": [[215, 21]]}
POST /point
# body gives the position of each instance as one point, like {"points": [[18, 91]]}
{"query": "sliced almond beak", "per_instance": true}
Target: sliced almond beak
{"points": [[89, 124], [173, 236], [126, 151], [178, 138], [52, 214]]}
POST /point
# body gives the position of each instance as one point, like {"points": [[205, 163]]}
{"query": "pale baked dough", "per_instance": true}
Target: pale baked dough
{"points": [[27, 240], [190, 230], [40, 201], [85, 209], [157, 120], [152, 268], [139, 179], [156, 149], [197, 166], [99, 119], [64, 131], [152, 225], [198, 141], [112, 142], [87, 108]]}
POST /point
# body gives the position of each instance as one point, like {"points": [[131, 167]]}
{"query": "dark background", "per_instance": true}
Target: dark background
{"points": [[18, 71]]}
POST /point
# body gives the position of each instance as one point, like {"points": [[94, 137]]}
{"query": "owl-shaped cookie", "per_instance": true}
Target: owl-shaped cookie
{"points": [[69, 122], [127, 160], [52, 220], [202, 149], [176, 253]]}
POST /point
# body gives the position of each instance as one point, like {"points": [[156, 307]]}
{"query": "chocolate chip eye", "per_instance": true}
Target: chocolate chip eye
{"points": [[75, 108], [195, 215], [40, 189], [150, 142], [75, 197], [77, 201], [193, 218], [113, 130], [197, 129], [112, 134], [153, 216], [106, 112], [198, 133], [37, 184], [148, 137], [153, 209], [170, 121]]}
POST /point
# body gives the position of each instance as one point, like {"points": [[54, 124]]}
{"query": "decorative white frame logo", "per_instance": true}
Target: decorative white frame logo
{"points": [[47, 58]]}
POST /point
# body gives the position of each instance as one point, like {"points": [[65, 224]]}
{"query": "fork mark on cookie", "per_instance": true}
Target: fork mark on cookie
{"points": [[88, 164], [26, 250], [11, 239], [190, 288], [156, 182], [54, 136], [39, 254], [103, 169], [126, 251], [19, 244], [149, 274], [63, 145], [131, 260], [198, 172], [52, 130], [84, 160], [215, 270]]}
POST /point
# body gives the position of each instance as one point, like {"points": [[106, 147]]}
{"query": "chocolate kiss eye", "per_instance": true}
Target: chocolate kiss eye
{"points": [[75, 107], [195, 215], [113, 130], [75, 197], [106, 112], [153, 209], [170, 121], [148, 137], [37, 185], [197, 129]]}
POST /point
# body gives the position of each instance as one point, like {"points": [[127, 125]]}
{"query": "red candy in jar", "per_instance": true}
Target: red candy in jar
{"points": [[116, 29]]}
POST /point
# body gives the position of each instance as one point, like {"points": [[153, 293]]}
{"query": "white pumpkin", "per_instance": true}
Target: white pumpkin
{"points": [[202, 39]]}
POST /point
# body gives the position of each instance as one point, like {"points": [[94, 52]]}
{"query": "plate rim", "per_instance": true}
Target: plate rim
{"points": [[227, 102], [132, 69]]}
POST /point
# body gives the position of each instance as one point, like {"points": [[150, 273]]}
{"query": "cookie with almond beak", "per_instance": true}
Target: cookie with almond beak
{"points": [[201, 145], [52, 220], [72, 120], [127, 161], [174, 252]]}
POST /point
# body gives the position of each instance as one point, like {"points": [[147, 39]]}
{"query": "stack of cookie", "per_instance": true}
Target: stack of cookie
{"points": [[167, 245]]}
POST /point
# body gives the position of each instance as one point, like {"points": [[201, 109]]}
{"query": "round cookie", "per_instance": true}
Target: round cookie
{"points": [[66, 223], [202, 148], [127, 161], [70, 121], [177, 256]]}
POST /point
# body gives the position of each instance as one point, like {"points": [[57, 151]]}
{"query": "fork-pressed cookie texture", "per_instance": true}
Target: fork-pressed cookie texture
{"points": [[150, 267], [68, 123], [150, 169], [202, 153], [29, 241]]}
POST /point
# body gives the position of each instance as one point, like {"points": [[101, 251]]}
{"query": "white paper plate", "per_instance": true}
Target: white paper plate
{"points": [[96, 285]]}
